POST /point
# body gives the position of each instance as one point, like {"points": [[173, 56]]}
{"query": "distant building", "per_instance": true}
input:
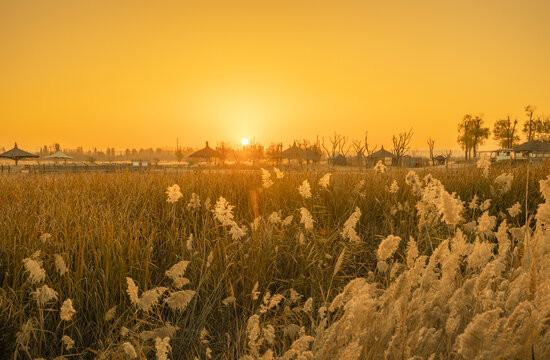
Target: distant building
{"points": [[440, 160], [385, 156], [338, 159]]}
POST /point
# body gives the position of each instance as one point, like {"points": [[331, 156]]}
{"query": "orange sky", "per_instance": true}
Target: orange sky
{"points": [[143, 73]]}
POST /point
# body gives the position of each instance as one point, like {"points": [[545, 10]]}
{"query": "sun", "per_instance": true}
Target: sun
{"points": [[244, 141]]}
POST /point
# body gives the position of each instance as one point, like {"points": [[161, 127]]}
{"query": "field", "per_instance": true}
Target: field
{"points": [[393, 264]]}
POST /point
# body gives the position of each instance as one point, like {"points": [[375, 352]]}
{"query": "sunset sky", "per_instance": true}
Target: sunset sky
{"points": [[143, 73]]}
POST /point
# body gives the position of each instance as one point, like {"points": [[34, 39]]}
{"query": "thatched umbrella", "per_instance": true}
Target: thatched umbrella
{"points": [[206, 153], [59, 155], [17, 154], [382, 154]]}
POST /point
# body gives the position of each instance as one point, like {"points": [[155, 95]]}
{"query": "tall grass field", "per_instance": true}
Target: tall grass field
{"points": [[277, 264]]}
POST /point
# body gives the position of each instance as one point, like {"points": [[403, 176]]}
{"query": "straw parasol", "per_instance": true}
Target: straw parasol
{"points": [[17, 154], [59, 155], [381, 154], [206, 153], [293, 152]]}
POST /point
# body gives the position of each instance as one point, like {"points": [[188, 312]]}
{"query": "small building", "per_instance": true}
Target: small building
{"points": [[385, 156], [532, 150], [440, 160], [338, 159]]}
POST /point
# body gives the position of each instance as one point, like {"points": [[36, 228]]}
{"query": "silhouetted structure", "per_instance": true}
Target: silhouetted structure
{"points": [[383, 155], [206, 153], [59, 155], [338, 159], [17, 154]]}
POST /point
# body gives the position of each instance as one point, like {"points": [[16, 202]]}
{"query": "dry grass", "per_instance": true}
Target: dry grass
{"points": [[111, 226]]}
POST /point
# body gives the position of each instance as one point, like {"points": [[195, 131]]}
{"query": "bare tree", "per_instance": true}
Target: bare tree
{"points": [[223, 148], [337, 145], [431, 143], [359, 148], [401, 144], [448, 154], [529, 127]]}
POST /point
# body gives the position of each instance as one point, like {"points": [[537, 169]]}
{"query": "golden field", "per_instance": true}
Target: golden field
{"points": [[245, 265]]}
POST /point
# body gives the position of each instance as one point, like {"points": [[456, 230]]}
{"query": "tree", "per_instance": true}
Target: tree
{"points": [[223, 148], [504, 132], [448, 154], [362, 149], [431, 144], [529, 127], [542, 129], [471, 134], [401, 144], [274, 152], [337, 145], [179, 155]]}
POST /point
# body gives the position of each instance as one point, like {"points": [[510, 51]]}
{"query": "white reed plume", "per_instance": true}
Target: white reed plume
{"points": [[450, 207], [308, 306], [34, 269], [110, 314], [306, 219], [278, 173], [305, 190], [485, 205], [210, 259], [253, 332], [504, 182], [380, 168], [413, 181], [132, 290], [174, 194], [255, 293], [287, 220], [223, 212], [229, 300], [129, 350], [45, 237], [325, 181], [486, 223], [237, 232], [255, 225], [349, 226], [480, 255], [60, 265], [194, 203], [180, 299], [67, 342], [474, 203], [485, 164], [514, 210], [545, 188], [44, 295], [189, 243], [150, 298], [274, 218], [387, 247], [394, 188], [162, 347], [266, 179], [67, 311], [177, 272]]}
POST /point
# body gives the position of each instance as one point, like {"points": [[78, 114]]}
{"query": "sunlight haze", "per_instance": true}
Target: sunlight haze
{"points": [[143, 74]]}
